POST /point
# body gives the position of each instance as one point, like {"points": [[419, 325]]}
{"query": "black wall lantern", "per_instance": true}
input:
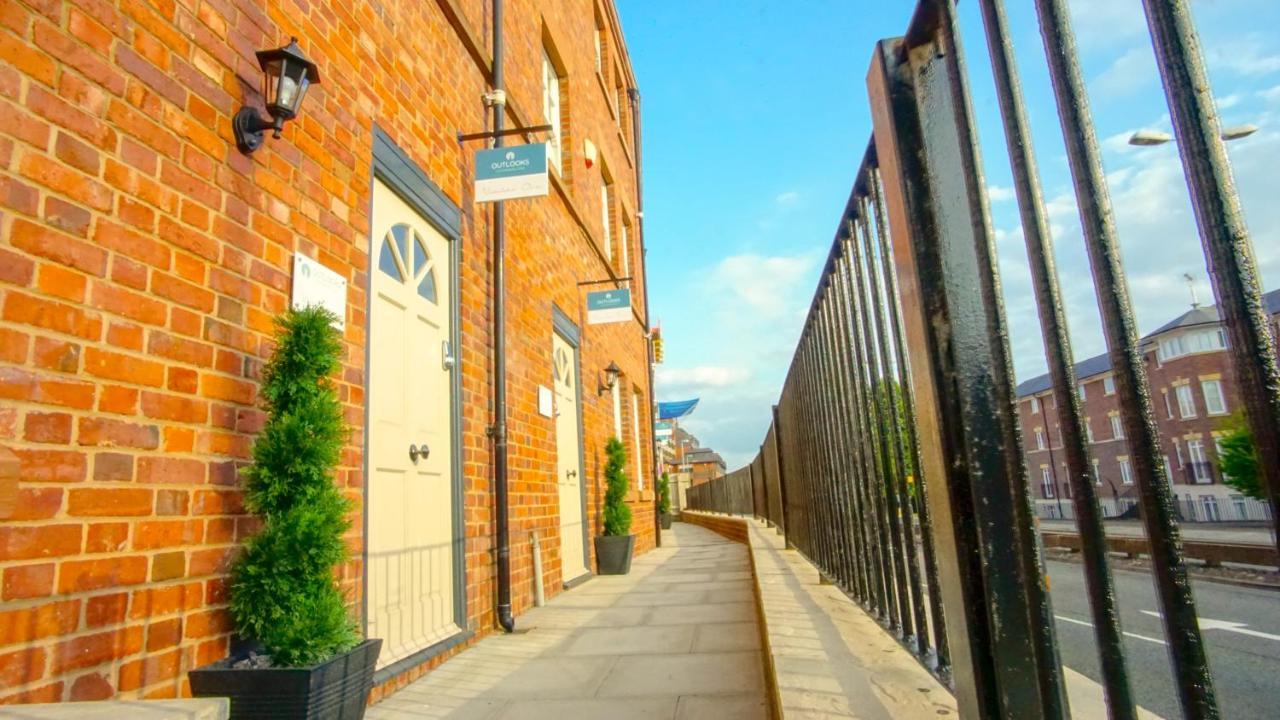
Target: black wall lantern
{"points": [[286, 75]]}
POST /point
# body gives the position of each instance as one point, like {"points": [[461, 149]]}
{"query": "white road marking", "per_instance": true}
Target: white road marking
{"points": [[1228, 625], [1136, 636]]}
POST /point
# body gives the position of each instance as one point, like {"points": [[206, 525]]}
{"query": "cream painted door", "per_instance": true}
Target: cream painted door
{"points": [[568, 460], [410, 591]]}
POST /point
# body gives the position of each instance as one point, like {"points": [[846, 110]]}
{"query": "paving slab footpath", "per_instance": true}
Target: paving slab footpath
{"points": [[677, 639]]}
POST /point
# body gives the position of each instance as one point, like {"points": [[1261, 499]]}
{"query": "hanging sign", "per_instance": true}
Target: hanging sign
{"points": [[608, 306], [315, 284], [507, 173]]}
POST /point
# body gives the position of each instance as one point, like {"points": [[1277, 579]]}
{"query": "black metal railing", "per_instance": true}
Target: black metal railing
{"points": [[894, 458]]}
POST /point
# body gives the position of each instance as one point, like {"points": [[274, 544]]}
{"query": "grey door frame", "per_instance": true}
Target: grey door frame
{"points": [[568, 331], [396, 169]]}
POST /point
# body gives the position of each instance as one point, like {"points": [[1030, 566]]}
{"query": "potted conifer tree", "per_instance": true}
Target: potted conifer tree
{"points": [[614, 548], [301, 655], [664, 501]]}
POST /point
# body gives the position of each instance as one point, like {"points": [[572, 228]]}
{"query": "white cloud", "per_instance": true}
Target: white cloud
{"points": [[1250, 55], [999, 193], [764, 285], [1132, 71], [787, 199], [701, 376]]}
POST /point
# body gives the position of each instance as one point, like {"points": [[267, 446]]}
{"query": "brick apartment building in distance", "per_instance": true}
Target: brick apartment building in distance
{"points": [[1193, 391], [143, 259]]}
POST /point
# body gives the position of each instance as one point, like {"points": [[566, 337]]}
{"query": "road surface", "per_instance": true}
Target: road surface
{"points": [[1243, 643], [1252, 534]]}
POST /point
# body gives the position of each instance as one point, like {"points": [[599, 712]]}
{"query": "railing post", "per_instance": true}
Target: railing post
{"points": [[1227, 248], [999, 621]]}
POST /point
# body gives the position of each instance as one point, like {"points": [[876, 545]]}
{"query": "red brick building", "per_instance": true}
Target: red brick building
{"points": [[143, 259], [1193, 392]]}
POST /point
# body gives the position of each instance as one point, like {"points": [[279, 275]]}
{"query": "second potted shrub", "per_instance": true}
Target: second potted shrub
{"points": [[664, 501], [614, 548], [301, 656]]}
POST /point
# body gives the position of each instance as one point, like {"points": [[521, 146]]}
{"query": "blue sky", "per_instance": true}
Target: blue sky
{"points": [[755, 120]]}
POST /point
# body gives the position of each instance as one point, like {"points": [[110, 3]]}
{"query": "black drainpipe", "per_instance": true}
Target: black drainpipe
{"points": [[505, 619], [634, 95]]}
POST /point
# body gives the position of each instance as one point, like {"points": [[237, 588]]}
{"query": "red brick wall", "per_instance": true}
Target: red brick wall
{"points": [[142, 260]]}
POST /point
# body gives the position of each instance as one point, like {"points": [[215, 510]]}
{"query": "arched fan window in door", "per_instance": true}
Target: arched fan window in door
{"points": [[404, 258]]}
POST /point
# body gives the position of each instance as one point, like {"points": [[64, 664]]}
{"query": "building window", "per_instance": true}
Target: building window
{"points": [[1097, 473], [1168, 406], [1109, 385], [617, 411], [635, 437], [1168, 470], [551, 108], [1186, 402], [1117, 428], [1214, 401], [600, 44], [1046, 482], [1192, 342], [1210, 508], [1177, 449], [1035, 406], [606, 213], [1088, 430], [1199, 468], [1126, 472], [1039, 439], [1082, 393], [624, 244]]}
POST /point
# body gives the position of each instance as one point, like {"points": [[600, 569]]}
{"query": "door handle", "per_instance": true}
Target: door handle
{"points": [[571, 473], [416, 452]]}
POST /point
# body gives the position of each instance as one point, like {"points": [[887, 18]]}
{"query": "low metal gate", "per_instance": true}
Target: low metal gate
{"points": [[894, 458]]}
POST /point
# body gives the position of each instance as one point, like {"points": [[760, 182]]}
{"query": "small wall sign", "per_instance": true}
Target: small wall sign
{"points": [[507, 173], [546, 407], [608, 306], [315, 284]]}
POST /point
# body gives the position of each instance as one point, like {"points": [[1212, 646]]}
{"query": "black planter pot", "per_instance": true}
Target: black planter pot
{"points": [[334, 690], [665, 519], [613, 553]]}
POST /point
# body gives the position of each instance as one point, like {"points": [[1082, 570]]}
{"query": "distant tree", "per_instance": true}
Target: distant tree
{"points": [[1238, 457], [890, 395]]}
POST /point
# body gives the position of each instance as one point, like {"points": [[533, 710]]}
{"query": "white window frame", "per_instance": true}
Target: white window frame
{"points": [[1039, 439], [1117, 428], [1035, 405], [623, 244], [1088, 431], [1168, 406], [1083, 395], [1195, 451], [1126, 472], [1216, 395], [551, 109], [635, 436], [1046, 484], [1186, 402], [1109, 385], [1211, 511], [1168, 469], [1097, 472], [606, 195], [617, 410]]}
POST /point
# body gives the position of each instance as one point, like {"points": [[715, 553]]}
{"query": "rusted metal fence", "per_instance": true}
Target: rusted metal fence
{"points": [[732, 493], [894, 458]]}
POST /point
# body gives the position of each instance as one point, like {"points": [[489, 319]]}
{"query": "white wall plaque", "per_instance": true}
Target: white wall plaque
{"points": [[315, 284], [545, 406]]}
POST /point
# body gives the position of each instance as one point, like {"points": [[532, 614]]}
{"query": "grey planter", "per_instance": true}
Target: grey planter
{"points": [[665, 519], [613, 553], [337, 689]]}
